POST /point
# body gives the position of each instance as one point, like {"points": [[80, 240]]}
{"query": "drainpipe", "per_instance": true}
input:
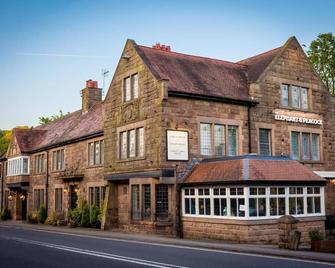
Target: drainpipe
{"points": [[47, 185], [249, 129]]}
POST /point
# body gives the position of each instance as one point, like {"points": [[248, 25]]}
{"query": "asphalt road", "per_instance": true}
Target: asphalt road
{"points": [[32, 248]]}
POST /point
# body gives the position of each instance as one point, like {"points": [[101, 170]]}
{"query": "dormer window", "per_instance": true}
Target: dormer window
{"points": [[294, 97], [130, 88], [18, 166]]}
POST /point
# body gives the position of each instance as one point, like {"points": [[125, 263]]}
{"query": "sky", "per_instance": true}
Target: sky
{"points": [[49, 48]]}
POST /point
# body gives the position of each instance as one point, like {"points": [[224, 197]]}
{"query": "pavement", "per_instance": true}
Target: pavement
{"points": [[169, 242]]}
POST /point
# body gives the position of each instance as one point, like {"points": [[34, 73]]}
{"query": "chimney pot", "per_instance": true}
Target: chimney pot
{"points": [[91, 84], [161, 47]]}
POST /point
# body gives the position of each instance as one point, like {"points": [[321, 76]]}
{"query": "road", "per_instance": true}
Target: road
{"points": [[35, 248]]}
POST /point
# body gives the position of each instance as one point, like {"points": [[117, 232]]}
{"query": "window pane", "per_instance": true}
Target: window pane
{"points": [[205, 139], [232, 141], [264, 141], [25, 165], [317, 205], [223, 207], [310, 208], [304, 98], [281, 206], [207, 206], [123, 145], [127, 92], [132, 148], [305, 146], [97, 153], [201, 206], [315, 146], [300, 205], [261, 207], [135, 206], [233, 207], [140, 141], [241, 212], [295, 145], [219, 140], [135, 86], [187, 206], [192, 205], [252, 207], [292, 206], [295, 97], [273, 207], [284, 95], [147, 201]]}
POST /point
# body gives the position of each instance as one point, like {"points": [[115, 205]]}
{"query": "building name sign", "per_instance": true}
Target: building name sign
{"points": [[298, 119], [177, 145]]}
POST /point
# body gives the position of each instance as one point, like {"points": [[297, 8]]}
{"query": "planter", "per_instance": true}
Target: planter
{"points": [[316, 245]]}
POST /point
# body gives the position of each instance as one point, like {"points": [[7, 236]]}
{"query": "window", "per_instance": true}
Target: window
{"points": [[135, 202], [237, 208], [257, 202], [223, 138], [294, 97], [306, 143], [296, 200], [189, 201], [220, 201], [277, 201], [204, 202], [130, 88], [38, 199], [96, 195], [132, 143], [59, 199], [264, 141], [18, 166], [146, 199], [39, 163], [284, 95], [58, 160], [313, 200], [95, 153]]}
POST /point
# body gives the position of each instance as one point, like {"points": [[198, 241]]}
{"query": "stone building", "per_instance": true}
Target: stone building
{"points": [[166, 113], [55, 164]]}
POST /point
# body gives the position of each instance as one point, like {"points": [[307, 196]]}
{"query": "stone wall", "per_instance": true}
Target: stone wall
{"points": [[241, 231]]}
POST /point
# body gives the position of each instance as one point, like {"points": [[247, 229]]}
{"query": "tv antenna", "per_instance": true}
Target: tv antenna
{"points": [[104, 73]]}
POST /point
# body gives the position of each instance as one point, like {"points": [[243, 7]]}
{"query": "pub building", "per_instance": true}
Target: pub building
{"points": [[188, 146]]}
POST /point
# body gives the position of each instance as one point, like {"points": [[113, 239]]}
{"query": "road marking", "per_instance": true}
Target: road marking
{"points": [[174, 246], [95, 253]]}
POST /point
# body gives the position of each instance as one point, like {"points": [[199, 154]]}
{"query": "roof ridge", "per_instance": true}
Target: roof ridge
{"points": [[195, 56]]}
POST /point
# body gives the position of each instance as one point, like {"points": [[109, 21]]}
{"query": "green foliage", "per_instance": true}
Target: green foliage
{"points": [[51, 219], [94, 213], [33, 218], [85, 216], [101, 211], [315, 235], [5, 214], [321, 54], [5, 137], [46, 119], [42, 214]]}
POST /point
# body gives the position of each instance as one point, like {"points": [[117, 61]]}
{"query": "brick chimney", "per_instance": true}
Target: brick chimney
{"points": [[90, 95], [162, 47]]}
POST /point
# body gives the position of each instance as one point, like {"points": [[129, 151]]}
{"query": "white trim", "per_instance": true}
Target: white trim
{"points": [[15, 166], [325, 174]]}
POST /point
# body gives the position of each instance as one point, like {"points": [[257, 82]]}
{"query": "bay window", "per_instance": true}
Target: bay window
{"points": [[247, 202], [218, 139], [18, 166]]}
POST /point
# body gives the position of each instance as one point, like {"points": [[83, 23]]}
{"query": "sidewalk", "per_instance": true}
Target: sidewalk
{"points": [[267, 250]]}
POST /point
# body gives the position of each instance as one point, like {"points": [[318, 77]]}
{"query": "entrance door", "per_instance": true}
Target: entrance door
{"points": [[162, 202], [24, 207], [73, 196]]}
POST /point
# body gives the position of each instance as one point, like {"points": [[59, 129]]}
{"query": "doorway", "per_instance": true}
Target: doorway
{"points": [[23, 198], [73, 196]]}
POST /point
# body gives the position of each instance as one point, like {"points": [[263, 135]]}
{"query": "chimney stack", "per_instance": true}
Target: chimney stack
{"points": [[162, 47], [90, 95]]}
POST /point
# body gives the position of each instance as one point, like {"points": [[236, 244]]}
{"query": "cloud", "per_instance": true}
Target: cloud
{"points": [[59, 55]]}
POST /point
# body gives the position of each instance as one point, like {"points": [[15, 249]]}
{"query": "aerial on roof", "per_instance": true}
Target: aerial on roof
{"points": [[70, 127], [250, 168]]}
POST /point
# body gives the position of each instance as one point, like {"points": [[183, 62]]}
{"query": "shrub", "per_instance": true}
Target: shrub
{"points": [[6, 214], [94, 213], [42, 214], [101, 211], [51, 219], [33, 218], [85, 216], [315, 235]]}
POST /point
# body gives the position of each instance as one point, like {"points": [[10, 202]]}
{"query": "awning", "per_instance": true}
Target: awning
{"points": [[326, 174]]}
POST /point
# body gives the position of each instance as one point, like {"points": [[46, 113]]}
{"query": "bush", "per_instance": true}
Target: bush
{"points": [[315, 235], [51, 219], [33, 218], [94, 213], [85, 216], [5, 214], [42, 215], [101, 211]]}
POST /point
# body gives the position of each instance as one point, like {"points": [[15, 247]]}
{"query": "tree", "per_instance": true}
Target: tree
{"points": [[45, 119], [321, 53], [5, 137]]}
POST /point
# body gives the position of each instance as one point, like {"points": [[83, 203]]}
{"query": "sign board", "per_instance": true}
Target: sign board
{"points": [[295, 117], [177, 145]]}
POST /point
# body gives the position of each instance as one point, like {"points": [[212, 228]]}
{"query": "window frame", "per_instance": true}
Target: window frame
{"points": [[16, 167], [124, 141], [58, 160], [92, 153], [300, 134], [132, 86], [302, 97]]}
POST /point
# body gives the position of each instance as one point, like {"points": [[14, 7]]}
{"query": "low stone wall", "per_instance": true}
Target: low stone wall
{"points": [[243, 231]]}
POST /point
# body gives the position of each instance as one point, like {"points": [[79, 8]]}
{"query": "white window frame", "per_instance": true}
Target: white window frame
{"points": [[246, 197], [15, 166]]}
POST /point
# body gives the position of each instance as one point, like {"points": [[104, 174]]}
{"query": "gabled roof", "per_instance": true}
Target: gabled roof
{"points": [[248, 168], [72, 126], [197, 75], [257, 64]]}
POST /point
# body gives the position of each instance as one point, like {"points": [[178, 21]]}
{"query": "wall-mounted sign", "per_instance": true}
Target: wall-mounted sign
{"points": [[297, 119], [177, 145]]}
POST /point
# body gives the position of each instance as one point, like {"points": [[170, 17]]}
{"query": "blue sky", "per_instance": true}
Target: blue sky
{"points": [[49, 49]]}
